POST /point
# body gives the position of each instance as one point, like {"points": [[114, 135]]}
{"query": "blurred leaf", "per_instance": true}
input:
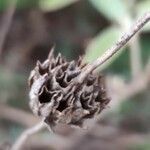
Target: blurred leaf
{"points": [[21, 4], [121, 65], [115, 10], [3, 4], [53, 5], [135, 114], [141, 146], [142, 7], [145, 47], [101, 43]]}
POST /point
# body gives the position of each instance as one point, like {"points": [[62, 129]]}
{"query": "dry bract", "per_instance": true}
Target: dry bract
{"points": [[57, 98]]}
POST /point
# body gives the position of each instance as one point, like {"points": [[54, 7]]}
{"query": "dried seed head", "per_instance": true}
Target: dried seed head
{"points": [[57, 100]]}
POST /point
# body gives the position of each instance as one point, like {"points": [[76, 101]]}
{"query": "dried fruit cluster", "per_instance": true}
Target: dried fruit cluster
{"points": [[56, 97]]}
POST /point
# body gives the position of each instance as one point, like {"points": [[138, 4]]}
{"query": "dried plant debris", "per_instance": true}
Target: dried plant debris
{"points": [[56, 97]]}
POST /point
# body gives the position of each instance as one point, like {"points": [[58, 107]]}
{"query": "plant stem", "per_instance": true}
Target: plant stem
{"points": [[26, 134], [7, 19]]}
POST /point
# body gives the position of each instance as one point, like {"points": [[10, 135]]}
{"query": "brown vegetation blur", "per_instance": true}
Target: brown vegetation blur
{"points": [[27, 33]]}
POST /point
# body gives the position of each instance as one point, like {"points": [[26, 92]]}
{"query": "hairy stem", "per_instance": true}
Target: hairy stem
{"points": [[115, 48]]}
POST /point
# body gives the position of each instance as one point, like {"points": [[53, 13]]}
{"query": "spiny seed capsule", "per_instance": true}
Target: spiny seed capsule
{"points": [[55, 98]]}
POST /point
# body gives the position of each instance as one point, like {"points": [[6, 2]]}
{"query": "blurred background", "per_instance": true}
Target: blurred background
{"points": [[28, 30]]}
